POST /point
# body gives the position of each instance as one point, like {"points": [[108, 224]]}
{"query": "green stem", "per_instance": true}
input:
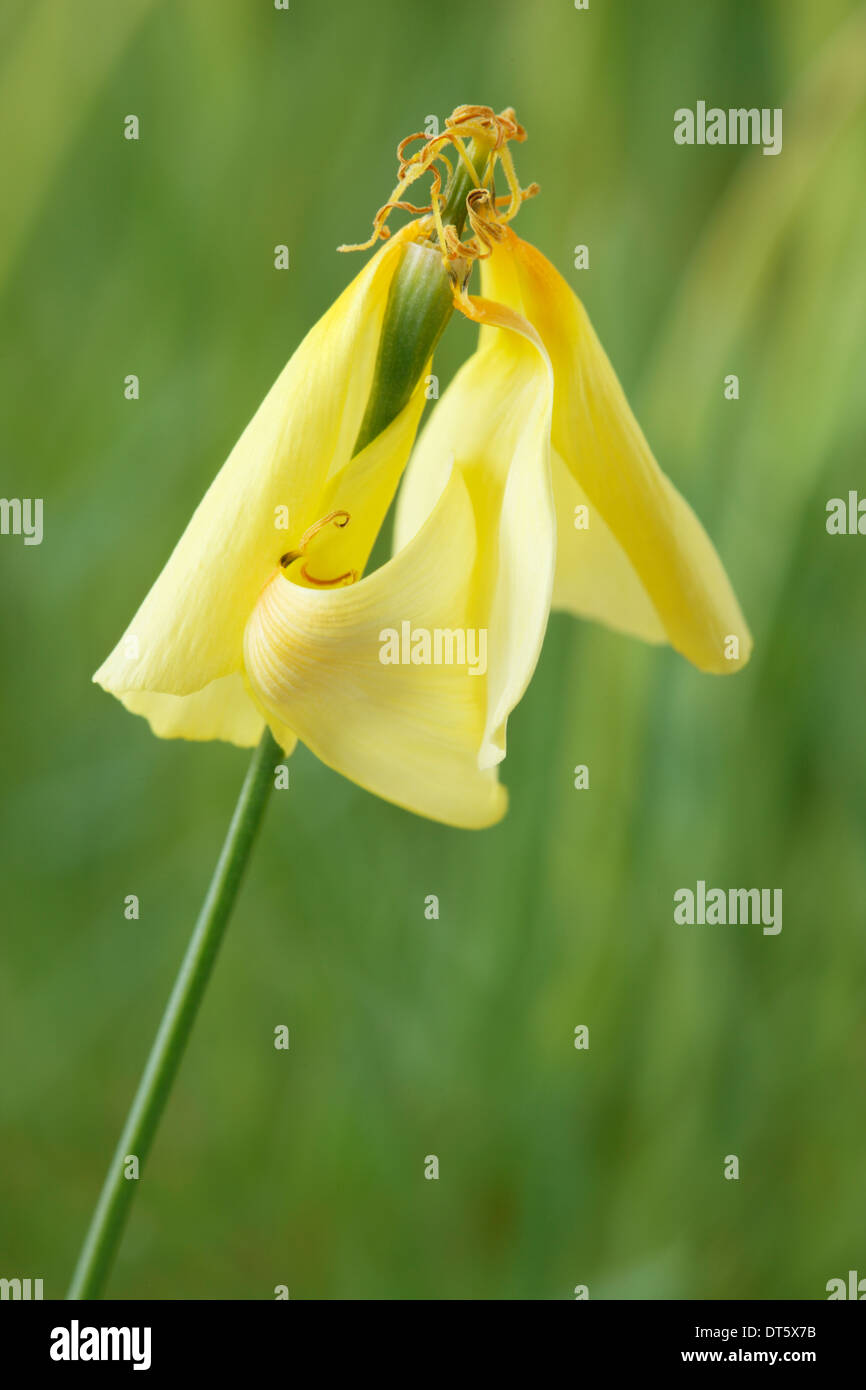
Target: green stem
{"points": [[109, 1218]]}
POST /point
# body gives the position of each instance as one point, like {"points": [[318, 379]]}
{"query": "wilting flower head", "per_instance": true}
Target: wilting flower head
{"points": [[403, 679]]}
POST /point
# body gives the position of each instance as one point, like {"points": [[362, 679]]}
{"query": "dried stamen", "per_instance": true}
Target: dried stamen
{"points": [[340, 519], [490, 132]]}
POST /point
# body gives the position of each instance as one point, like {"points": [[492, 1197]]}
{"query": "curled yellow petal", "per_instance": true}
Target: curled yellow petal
{"points": [[595, 433], [494, 420], [348, 671]]}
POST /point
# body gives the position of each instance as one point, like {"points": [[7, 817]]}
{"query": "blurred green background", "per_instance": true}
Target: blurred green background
{"points": [[455, 1037]]}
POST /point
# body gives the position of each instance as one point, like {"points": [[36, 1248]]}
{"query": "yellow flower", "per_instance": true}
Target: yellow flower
{"points": [[403, 680]]}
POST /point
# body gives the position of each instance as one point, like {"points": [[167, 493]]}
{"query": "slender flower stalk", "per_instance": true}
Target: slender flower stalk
{"points": [[106, 1227]]}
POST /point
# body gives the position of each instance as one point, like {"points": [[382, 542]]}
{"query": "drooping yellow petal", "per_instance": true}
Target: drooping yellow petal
{"points": [[320, 663], [594, 576], [597, 436], [222, 710], [494, 420], [291, 466]]}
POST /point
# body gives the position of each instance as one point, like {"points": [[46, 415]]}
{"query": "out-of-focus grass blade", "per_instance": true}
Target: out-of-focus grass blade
{"points": [[72, 48], [719, 289]]}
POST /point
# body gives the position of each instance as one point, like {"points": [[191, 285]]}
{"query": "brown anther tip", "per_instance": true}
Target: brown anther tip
{"points": [[340, 518], [350, 577]]}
